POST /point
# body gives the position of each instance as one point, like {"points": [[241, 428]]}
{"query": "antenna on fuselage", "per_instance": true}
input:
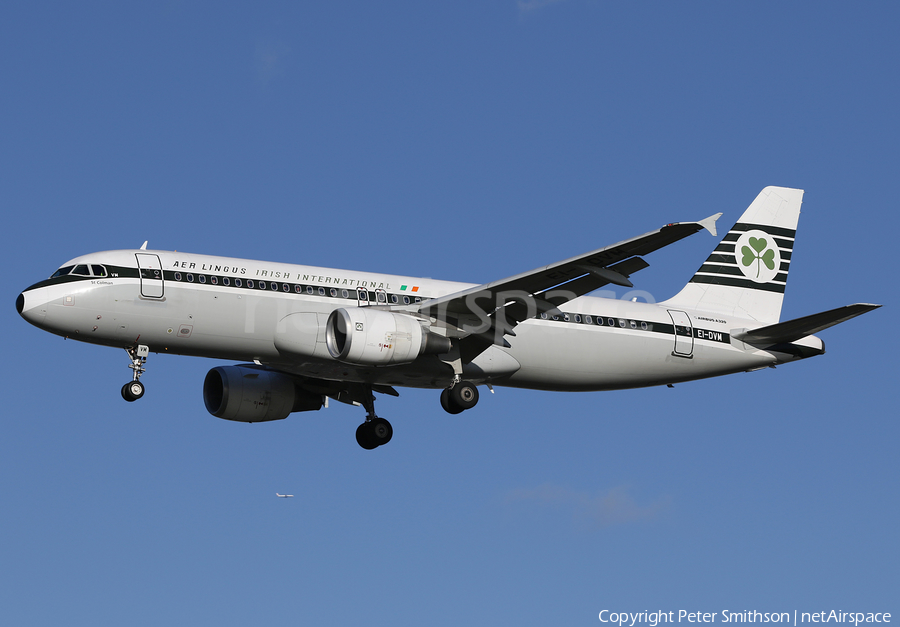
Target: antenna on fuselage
{"points": [[144, 245]]}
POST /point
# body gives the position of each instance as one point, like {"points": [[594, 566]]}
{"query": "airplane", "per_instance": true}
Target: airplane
{"points": [[284, 496], [308, 334]]}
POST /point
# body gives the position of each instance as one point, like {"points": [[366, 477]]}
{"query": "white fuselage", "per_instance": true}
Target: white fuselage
{"points": [[214, 307]]}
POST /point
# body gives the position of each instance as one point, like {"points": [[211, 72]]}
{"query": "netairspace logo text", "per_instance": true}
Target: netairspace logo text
{"points": [[652, 619]]}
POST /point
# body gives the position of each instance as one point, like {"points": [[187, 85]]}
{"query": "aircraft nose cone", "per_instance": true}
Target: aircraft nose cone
{"points": [[31, 311]]}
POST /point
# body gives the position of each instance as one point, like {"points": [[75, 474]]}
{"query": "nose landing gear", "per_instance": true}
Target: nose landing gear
{"points": [[134, 389]]}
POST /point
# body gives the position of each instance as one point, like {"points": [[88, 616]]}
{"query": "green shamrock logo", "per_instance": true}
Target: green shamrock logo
{"points": [[754, 252]]}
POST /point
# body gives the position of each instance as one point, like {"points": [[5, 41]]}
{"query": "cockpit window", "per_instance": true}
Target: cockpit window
{"points": [[81, 270], [98, 270], [62, 271]]}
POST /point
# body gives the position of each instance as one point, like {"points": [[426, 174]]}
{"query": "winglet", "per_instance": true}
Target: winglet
{"points": [[144, 245], [710, 223]]}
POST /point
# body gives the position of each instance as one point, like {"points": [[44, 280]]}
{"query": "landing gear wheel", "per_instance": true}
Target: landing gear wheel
{"points": [[132, 391], [364, 436], [447, 403], [381, 431], [463, 395]]}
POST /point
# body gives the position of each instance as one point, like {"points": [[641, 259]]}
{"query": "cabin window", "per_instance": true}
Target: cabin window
{"points": [[380, 296], [577, 318], [395, 299], [190, 278], [321, 291], [309, 289], [238, 283], [298, 289], [611, 322], [226, 281], [285, 287], [588, 320], [363, 295], [406, 300], [249, 282], [644, 326], [262, 285], [214, 280], [345, 294], [177, 276], [633, 324], [203, 278], [621, 323], [274, 286], [544, 316]]}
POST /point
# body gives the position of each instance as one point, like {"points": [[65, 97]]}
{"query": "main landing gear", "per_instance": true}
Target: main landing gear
{"points": [[374, 431], [459, 397], [134, 389]]}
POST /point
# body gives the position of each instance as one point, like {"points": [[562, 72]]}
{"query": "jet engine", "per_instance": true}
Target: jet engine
{"points": [[251, 394], [375, 337]]}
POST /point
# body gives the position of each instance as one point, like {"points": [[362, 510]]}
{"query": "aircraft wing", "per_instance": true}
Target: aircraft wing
{"points": [[484, 314]]}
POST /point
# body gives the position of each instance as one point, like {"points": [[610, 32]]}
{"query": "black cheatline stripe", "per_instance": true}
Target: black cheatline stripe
{"points": [[785, 266], [781, 276], [662, 328], [743, 283], [124, 271], [719, 258], [724, 248], [717, 269], [771, 230], [731, 237], [786, 255], [785, 243], [274, 286]]}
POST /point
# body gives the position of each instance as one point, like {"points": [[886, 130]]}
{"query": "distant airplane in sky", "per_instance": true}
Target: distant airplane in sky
{"points": [[309, 333], [284, 496]]}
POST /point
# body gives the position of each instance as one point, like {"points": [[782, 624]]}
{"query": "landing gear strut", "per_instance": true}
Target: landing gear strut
{"points": [[374, 431], [459, 397], [134, 389]]}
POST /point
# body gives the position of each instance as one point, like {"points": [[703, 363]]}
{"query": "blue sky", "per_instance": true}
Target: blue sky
{"points": [[464, 141]]}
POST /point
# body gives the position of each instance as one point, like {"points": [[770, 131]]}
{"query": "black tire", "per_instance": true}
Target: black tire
{"points": [[132, 391], [447, 403], [381, 431], [364, 437], [464, 395]]}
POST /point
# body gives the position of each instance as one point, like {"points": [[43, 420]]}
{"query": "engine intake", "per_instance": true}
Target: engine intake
{"points": [[362, 335], [251, 394]]}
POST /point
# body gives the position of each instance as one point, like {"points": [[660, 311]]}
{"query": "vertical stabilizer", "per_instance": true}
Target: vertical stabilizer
{"points": [[745, 275]]}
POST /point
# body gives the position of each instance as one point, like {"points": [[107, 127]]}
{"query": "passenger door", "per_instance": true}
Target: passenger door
{"points": [[151, 273]]}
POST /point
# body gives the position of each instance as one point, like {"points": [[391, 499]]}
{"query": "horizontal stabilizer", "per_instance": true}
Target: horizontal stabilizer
{"points": [[793, 330]]}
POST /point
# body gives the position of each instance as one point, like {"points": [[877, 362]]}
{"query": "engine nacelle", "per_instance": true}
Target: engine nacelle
{"points": [[248, 394], [375, 337]]}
